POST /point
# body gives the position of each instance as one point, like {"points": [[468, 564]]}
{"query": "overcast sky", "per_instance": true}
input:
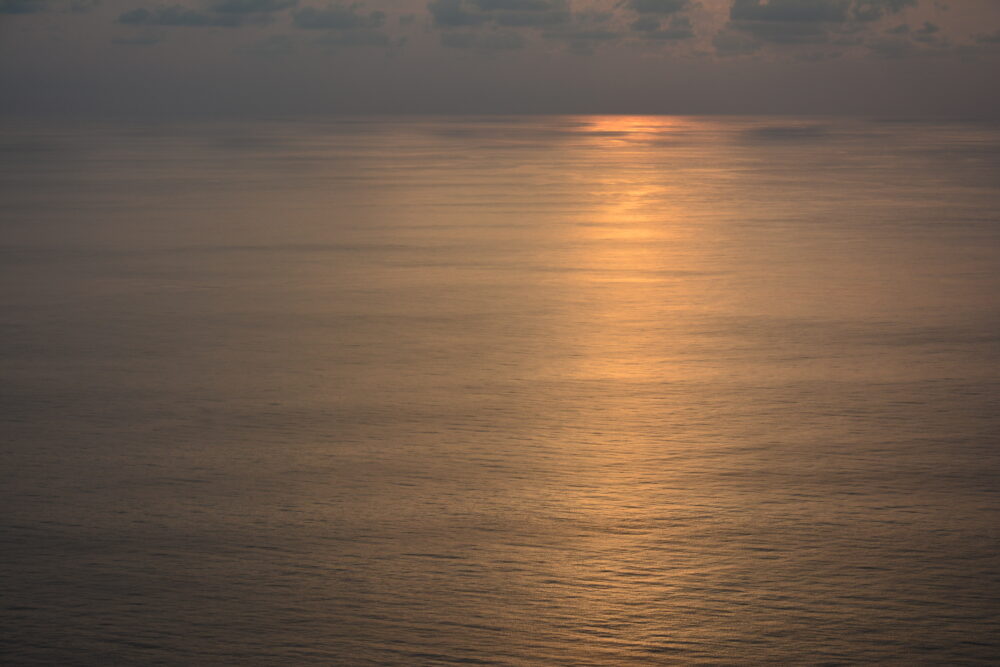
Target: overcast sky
{"points": [[878, 57]]}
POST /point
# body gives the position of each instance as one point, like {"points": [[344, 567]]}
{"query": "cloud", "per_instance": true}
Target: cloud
{"points": [[335, 39], [927, 34], [452, 13], [218, 14], [816, 11], [661, 20], [585, 32], [496, 22], [645, 24], [873, 10], [39, 6], [21, 6], [178, 16], [491, 26], [507, 13], [802, 22], [648, 27], [337, 17], [659, 6], [903, 41], [345, 25], [732, 43], [891, 47], [251, 6], [992, 38], [786, 11], [786, 32]]}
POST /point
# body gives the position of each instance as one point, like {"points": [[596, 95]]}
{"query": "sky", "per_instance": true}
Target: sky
{"points": [[265, 57]]}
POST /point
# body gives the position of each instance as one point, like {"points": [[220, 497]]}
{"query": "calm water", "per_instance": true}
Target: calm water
{"points": [[513, 390]]}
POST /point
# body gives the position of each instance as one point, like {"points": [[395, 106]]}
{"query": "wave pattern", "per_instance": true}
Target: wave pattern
{"points": [[506, 391]]}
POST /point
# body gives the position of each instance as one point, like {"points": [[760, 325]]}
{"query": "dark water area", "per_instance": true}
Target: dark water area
{"points": [[500, 390]]}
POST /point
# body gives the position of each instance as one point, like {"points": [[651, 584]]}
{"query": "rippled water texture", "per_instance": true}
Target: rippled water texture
{"points": [[512, 390]]}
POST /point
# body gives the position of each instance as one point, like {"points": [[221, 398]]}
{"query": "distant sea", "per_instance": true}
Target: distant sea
{"points": [[594, 390]]}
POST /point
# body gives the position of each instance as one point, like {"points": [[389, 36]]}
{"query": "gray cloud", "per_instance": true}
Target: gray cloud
{"points": [[732, 43], [507, 13], [513, 5], [798, 22], [335, 39], [178, 16], [530, 41], [661, 20], [902, 41], [338, 17], [873, 10], [38, 6], [927, 34], [585, 32], [219, 14], [659, 6], [648, 27], [645, 24], [891, 47], [816, 11], [344, 26], [452, 13], [786, 11], [251, 6], [786, 32], [21, 6], [992, 38], [582, 32]]}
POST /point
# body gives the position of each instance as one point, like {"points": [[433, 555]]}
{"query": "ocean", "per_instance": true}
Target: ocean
{"points": [[503, 390]]}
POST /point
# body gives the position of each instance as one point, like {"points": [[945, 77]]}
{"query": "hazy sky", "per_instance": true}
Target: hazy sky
{"points": [[897, 57]]}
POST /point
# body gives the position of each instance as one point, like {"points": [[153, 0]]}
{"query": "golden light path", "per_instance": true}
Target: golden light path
{"points": [[631, 249]]}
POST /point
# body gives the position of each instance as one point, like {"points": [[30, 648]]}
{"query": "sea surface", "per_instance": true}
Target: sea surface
{"points": [[592, 390]]}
